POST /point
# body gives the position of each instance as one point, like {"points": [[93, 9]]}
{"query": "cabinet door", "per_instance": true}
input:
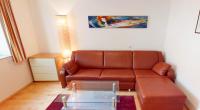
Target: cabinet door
{"points": [[44, 69]]}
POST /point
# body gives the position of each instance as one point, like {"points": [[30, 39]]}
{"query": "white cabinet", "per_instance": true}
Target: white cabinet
{"points": [[45, 67]]}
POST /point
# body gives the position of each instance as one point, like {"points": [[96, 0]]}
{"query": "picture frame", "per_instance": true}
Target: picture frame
{"points": [[197, 30], [117, 22]]}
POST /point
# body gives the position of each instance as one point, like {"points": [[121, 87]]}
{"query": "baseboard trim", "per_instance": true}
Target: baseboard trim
{"points": [[189, 106], [13, 94]]}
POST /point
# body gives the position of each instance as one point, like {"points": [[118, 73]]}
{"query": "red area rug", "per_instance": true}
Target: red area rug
{"points": [[126, 103]]}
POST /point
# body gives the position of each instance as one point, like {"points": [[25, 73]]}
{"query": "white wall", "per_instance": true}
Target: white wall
{"points": [[44, 16], [82, 37], [13, 76], [151, 38], [182, 48]]}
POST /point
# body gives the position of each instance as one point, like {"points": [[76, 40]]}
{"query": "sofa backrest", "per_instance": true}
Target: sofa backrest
{"points": [[146, 59], [88, 59], [118, 59]]}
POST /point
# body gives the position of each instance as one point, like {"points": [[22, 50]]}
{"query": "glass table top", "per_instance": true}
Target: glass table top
{"points": [[90, 95]]}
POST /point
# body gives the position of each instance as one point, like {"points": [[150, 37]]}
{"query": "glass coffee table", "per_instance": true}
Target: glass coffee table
{"points": [[90, 95]]}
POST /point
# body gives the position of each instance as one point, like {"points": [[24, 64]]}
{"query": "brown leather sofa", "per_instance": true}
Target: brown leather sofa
{"points": [[122, 66]]}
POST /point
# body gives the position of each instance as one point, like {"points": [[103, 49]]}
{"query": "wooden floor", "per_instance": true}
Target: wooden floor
{"points": [[38, 96]]}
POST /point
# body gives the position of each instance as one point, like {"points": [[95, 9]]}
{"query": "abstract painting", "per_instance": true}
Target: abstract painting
{"points": [[117, 21], [198, 25]]}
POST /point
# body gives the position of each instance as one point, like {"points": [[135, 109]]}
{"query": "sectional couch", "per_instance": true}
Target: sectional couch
{"points": [[144, 71], [122, 66]]}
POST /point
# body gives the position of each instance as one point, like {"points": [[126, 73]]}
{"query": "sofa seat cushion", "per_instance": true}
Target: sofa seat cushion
{"points": [[124, 75], [145, 73], [127, 85], [85, 74]]}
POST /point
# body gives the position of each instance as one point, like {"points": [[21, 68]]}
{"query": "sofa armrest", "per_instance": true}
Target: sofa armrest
{"points": [[62, 75], [171, 75]]}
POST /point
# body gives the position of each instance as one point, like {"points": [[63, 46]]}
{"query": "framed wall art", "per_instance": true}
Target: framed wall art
{"points": [[117, 21], [197, 30]]}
